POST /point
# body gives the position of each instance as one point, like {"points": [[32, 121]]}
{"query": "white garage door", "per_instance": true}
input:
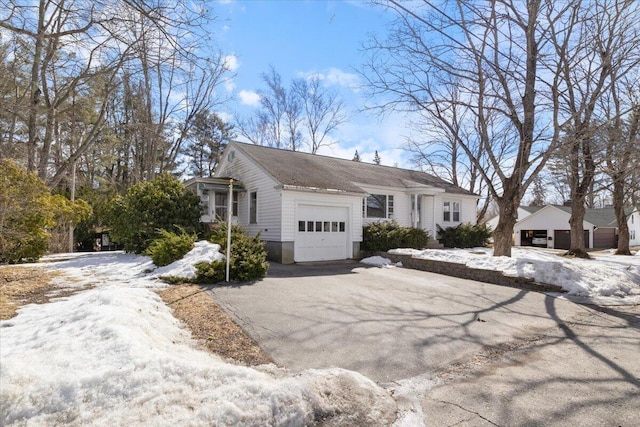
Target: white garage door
{"points": [[321, 233]]}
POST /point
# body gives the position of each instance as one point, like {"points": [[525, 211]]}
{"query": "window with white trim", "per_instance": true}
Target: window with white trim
{"points": [[220, 200], [451, 211], [253, 207], [378, 206]]}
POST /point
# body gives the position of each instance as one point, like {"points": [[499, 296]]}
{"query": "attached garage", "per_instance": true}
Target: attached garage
{"points": [[322, 233]]}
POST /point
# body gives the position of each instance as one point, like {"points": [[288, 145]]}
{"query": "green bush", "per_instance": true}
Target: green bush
{"points": [[162, 204], [248, 258], [24, 214], [464, 236], [211, 272], [170, 247], [382, 236]]}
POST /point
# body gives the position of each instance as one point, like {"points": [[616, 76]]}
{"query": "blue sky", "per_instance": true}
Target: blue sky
{"points": [[301, 37]]}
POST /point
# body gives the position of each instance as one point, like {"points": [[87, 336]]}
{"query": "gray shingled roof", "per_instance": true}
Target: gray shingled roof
{"points": [[532, 209], [603, 217], [329, 173]]}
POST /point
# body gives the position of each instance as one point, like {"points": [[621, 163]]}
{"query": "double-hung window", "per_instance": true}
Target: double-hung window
{"points": [[451, 211], [378, 206]]}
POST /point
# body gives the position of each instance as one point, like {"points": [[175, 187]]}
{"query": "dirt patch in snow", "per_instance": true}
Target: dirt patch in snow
{"points": [[212, 326], [28, 285]]}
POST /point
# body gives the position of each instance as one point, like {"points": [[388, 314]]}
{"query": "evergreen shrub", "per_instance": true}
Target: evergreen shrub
{"points": [[170, 247], [248, 257], [135, 219], [382, 236], [464, 236]]}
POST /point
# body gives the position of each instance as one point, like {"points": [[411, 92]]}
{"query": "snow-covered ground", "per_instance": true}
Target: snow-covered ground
{"points": [[113, 354], [607, 279]]}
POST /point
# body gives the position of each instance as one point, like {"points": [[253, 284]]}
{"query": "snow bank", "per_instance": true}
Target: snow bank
{"points": [[379, 261], [115, 355], [605, 276], [202, 251]]}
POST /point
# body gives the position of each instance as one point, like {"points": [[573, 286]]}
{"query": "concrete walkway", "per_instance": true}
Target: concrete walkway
{"points": [[387, 323]]}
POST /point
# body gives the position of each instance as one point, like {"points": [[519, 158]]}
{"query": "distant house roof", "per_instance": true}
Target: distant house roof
{"points": [[602, 217], [306, 170], [531, 209]]}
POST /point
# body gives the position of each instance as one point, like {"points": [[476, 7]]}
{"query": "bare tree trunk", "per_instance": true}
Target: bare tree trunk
{"points": [[32, 122], [623, 227], [508, 210], [581, 155]]}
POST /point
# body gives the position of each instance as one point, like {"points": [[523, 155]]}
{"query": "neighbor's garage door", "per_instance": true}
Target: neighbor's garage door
{"points": [[321, 233], [604, 238], [562, 239]]}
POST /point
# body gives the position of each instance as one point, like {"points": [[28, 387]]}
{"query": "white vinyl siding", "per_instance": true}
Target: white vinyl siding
{"points": [[254, 179], [467, 210]]}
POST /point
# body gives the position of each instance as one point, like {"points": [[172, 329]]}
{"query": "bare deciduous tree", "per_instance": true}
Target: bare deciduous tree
{"points": [[304, 114], [77, 50], [527, 73], [492, 53], [621, 139], [603, 44], [323, 110]]}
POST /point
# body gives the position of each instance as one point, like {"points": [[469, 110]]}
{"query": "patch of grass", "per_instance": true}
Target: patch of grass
{"points": [[211, 325], [23, 285]]}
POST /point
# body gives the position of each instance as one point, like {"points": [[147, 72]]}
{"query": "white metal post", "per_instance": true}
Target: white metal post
{"points": [[229, 213]]}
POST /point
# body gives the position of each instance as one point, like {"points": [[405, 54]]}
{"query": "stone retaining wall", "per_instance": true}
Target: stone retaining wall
{"points": [[464, 272]]}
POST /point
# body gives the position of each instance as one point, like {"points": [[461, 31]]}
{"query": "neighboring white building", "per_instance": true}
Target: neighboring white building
{"points": [[312, 208], [522, 213], [551, 224]]}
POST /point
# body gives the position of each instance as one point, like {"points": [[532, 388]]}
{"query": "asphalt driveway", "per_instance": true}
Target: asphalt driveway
{"points": [[387, 323]]}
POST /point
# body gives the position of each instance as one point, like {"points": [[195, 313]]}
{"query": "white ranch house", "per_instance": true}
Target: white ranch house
{"points": [[312, 208]]}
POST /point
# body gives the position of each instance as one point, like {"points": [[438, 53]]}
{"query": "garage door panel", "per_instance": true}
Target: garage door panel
{"points": [[321, 233], [562, 239]]}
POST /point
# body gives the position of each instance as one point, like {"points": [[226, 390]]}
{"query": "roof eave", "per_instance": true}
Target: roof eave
{"points": [[289, 187]]}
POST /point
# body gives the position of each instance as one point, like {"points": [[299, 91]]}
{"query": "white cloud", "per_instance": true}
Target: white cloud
{"points": [[229, 85], [249, 97], [226, 117], [335, 77], [231, 62], [366, 134]]}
